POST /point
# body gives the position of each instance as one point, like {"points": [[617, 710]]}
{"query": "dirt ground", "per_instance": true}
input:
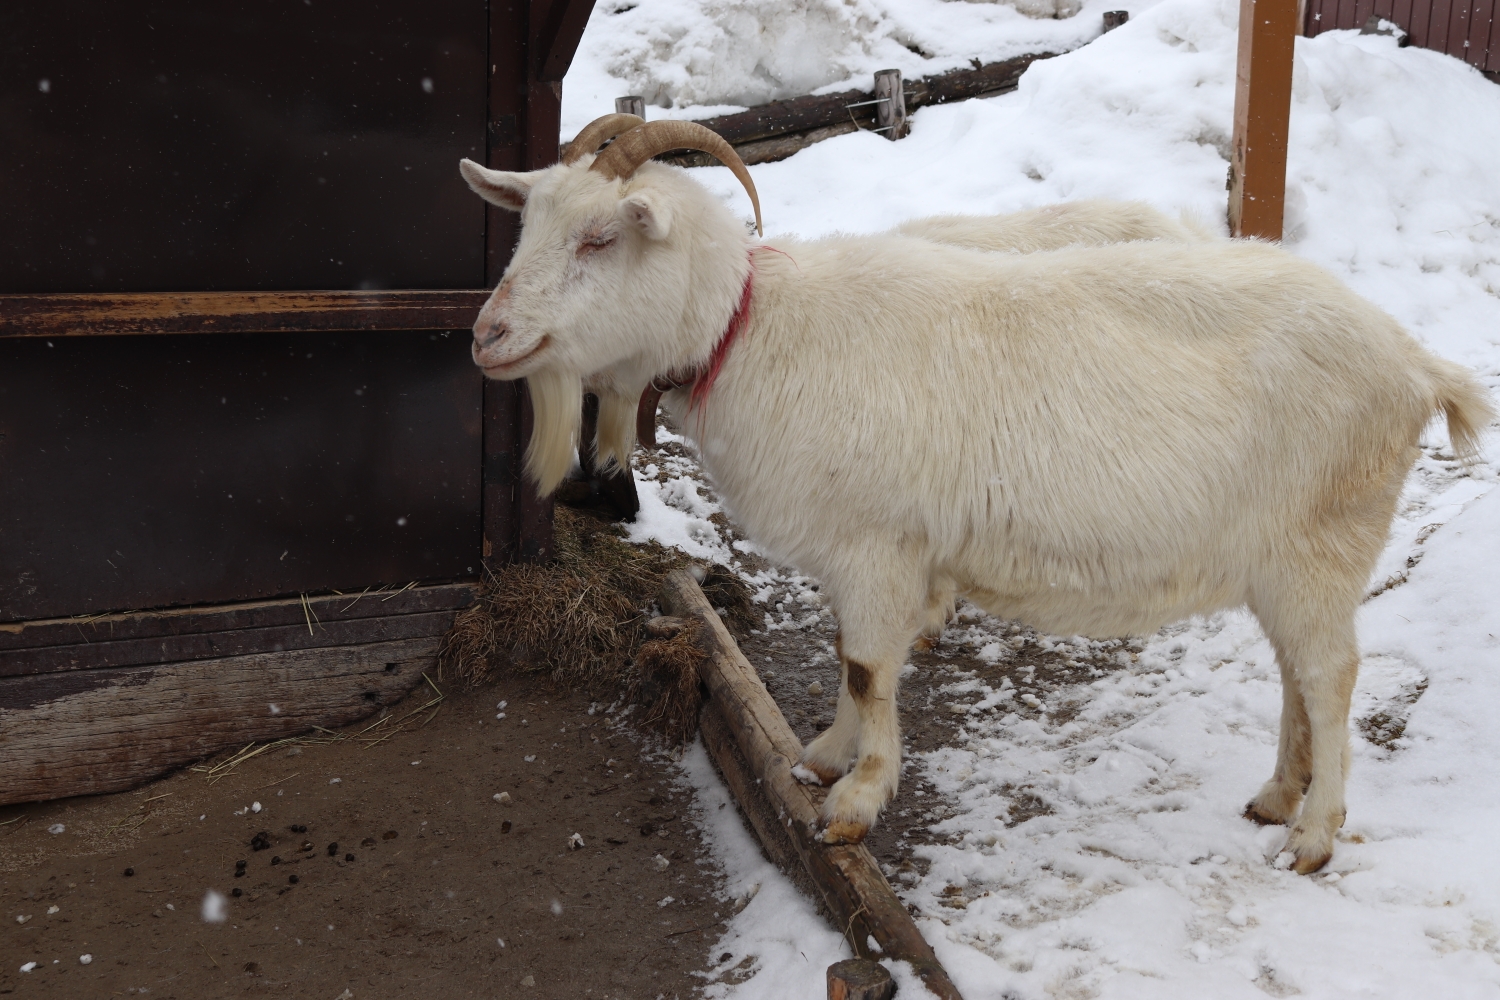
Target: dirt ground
{"points": [[388, 868], [407, 878]]}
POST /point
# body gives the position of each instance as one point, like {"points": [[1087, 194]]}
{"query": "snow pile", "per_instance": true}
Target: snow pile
{"points": [[1139, 878], [702, 57]]}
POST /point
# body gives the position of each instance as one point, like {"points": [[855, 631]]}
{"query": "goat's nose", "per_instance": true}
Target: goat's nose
{"points": [[487, 331], [489, 327]]}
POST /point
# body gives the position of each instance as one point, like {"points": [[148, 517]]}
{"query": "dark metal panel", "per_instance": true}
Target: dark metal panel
{"points": [[243, 144], [150, 471]]}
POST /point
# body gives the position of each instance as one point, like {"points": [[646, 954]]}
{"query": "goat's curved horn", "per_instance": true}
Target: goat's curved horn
{"points": [[597, 132], [640, 144]]}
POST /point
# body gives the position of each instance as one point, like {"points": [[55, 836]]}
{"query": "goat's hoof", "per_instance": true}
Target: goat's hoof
{"points": [[1307, 864], [925, 644], [843, 832], [812, 774], [1311, 850], [1254, 815]]}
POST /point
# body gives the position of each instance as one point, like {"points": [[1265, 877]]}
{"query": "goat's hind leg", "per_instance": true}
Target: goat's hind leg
{"points": [[1315, 644], [1277, 801]]}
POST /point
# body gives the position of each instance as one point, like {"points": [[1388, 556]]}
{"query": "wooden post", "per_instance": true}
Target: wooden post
{"points": [[890, 112], [860, 979], [861, 902], [633, 105], [1262, 107]]}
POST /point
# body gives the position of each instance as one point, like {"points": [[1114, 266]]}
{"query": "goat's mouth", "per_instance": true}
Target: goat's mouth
{"points": [[514, 369]]}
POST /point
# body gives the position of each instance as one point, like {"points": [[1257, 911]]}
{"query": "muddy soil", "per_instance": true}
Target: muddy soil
{"points": [[382, 868]]}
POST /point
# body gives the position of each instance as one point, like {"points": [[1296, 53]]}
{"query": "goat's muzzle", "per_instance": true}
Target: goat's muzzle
{"points": [[490, 327]]}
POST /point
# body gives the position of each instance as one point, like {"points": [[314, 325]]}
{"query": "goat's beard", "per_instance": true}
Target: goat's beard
{"points": [[557, 414]]}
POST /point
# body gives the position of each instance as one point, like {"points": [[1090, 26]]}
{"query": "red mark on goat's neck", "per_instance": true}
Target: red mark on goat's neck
{"points": [[709, 372]]}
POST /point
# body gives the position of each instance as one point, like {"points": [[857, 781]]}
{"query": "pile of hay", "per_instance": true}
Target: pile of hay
{"points": [[580, 620]]}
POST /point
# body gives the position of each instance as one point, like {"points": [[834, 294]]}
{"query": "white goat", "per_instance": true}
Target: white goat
{"points": [[1094, 440], [1093, 222]]}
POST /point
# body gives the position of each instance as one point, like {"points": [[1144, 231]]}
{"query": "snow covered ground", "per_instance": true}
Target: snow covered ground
{"points": [[1143, 881]]}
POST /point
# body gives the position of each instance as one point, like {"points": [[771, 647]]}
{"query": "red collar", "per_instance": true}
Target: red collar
{"points": [[701, 378]]}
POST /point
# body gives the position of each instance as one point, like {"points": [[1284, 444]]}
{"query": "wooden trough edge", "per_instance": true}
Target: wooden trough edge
{"points": [[862, 904]]}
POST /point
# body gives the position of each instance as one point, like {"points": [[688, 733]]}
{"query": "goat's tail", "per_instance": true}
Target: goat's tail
{"points": [[1464, 403]]}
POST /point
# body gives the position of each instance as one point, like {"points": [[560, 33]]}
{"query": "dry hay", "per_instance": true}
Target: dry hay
{"points": [[665, 686], [581, 621]]}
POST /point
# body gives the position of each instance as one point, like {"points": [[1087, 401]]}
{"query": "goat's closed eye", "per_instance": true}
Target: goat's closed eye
{"points": [[594, 242]]}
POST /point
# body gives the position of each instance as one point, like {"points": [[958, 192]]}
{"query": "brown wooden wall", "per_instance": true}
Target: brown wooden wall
{"points": [[237, 270], [1466, 29]]}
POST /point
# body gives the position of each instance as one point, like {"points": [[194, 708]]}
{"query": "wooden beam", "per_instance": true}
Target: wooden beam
{"points": [[861, 902], [93, 731], [317, 608], [1262, 108], [561, 29], [109, 314]]}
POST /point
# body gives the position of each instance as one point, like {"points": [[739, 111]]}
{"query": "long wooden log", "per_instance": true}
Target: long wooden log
{"points": [[861, 902], [774, 131], [804, 113]]}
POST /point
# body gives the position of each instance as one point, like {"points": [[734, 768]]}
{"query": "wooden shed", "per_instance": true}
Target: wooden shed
{"points": [[248, 472], [1464, 29]]}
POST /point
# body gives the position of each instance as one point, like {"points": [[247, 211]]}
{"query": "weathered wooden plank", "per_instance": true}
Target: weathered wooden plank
{"points": [[858, 897], [216, 645], [94, 731], [320, 609], [107, 314]]}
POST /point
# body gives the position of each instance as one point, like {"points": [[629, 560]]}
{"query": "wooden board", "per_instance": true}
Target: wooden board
{"points": [[860, 901], [94, 731], [98, 315]]}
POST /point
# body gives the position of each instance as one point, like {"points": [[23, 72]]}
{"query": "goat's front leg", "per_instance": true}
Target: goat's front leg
{"points": [[828, 758], [875, 635]]}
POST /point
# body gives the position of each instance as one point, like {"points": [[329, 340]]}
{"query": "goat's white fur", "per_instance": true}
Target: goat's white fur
{"points": [[1094, 440]]}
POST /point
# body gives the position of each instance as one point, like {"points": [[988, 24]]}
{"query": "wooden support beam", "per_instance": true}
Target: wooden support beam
{"points": [[560, 25], [1262, 109], [859, 899], [108, 314]]}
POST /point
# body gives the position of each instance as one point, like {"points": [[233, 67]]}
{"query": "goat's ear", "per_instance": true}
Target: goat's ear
{"points": [[648, 214], [497, 187]]}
